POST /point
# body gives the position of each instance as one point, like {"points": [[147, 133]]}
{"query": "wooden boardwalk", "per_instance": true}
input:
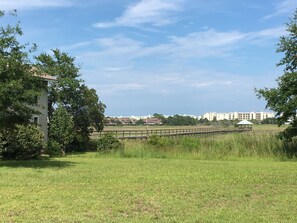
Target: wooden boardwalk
{"points": [[145, 133]]}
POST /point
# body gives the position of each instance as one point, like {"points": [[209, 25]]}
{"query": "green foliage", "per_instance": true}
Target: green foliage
{"points": [[159, 141], [178, 120], [91, 145], [271, 121], [283, 99], [204, 121], [18, 87], [161, 117], [139, 122], [71, 93], [54, 148], [61, 130], [258, 145], [23, 143], [154, 140], [109, 143], [189, 143]]}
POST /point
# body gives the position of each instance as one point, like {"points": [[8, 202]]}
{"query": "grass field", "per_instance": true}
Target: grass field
{"points": [[94, 188], [222, 178]]}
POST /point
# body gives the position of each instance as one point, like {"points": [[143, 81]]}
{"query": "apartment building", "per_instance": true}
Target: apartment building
{"points": [[259, 116]]}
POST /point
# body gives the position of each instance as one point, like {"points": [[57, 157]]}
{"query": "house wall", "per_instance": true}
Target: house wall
{"points": [[42, 107]]}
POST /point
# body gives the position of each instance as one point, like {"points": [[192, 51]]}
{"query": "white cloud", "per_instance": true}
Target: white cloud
{"points": [[207, 84], [115, 69], [207, 43], [146, 12], [111, 89], [31, 4], [75, 46], [262, 36], [269, 33], [119, 42], [283, 7]]}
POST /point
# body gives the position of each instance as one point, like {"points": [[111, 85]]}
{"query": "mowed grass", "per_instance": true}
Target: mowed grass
{"points": [[95, 188]]}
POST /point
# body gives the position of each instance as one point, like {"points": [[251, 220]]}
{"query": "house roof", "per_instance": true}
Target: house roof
{"points": [[48, 77], [44, 76], [244, 122]]}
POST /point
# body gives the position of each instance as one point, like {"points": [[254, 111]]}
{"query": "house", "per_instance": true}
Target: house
{"points": [[41, 106], [152, 121]]}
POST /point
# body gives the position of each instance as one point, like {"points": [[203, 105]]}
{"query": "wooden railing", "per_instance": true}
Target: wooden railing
{"points": [[145, 133]]}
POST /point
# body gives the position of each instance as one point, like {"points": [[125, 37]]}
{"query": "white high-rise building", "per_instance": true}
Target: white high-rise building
{"points": [[259, 116]]}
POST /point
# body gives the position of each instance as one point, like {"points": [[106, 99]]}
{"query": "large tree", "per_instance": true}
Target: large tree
{"points": [[18, 87], [70, 92], [283, 98]]}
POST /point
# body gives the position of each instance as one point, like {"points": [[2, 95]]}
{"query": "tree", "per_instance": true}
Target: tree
{"points": [[283, 98], [161, 117], [139, 122], [179, 120], [61, 129], [95, 107], [70, 92], [269, 121], [18, 87]]}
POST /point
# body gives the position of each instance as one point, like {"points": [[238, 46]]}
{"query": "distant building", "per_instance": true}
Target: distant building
{"points": [[152, 121], [259, 116], [132, 120]]}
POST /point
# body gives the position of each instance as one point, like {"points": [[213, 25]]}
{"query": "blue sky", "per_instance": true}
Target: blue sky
{"points": [[164, 56]]}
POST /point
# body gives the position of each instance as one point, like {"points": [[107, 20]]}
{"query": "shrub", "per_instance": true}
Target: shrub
{"points": [[154, 140], [22, 143], [91, 145], [108, 143], [54, 148], [189, 143], [61, 129], [159, 141]]}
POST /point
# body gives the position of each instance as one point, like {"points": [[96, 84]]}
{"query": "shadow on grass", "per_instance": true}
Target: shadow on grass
{"points": [[37, 164]]}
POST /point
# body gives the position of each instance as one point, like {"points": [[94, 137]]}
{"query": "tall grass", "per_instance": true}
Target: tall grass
{"points": [[239, 145]]}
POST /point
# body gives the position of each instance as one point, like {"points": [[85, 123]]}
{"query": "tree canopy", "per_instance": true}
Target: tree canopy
{"points": [[18, 86], [70, 91], [283, 98]]}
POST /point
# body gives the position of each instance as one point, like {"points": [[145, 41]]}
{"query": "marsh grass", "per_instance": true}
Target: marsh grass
{"points": [[239, 145]]}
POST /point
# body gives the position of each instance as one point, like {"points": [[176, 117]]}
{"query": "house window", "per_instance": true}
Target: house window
{"points": [[35, 100], [36, 120]]}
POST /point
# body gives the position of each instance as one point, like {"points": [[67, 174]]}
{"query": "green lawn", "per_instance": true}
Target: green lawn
{"points": [[92, 188]]}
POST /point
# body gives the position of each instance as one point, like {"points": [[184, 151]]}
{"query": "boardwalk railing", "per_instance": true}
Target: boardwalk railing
{"points": [[145, 133]]}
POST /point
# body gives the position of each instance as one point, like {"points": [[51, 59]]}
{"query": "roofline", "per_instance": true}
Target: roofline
{"points": [[48, 77]]}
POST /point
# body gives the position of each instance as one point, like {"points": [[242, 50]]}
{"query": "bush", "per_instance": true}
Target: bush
{"points": [[159, 141], [22, 143], [61, 130], [54, 148], [189, 143], [108, 143], [91, 145]]}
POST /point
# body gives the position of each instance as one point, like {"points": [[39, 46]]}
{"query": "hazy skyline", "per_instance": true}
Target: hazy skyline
{"points": [[164, 56]]}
